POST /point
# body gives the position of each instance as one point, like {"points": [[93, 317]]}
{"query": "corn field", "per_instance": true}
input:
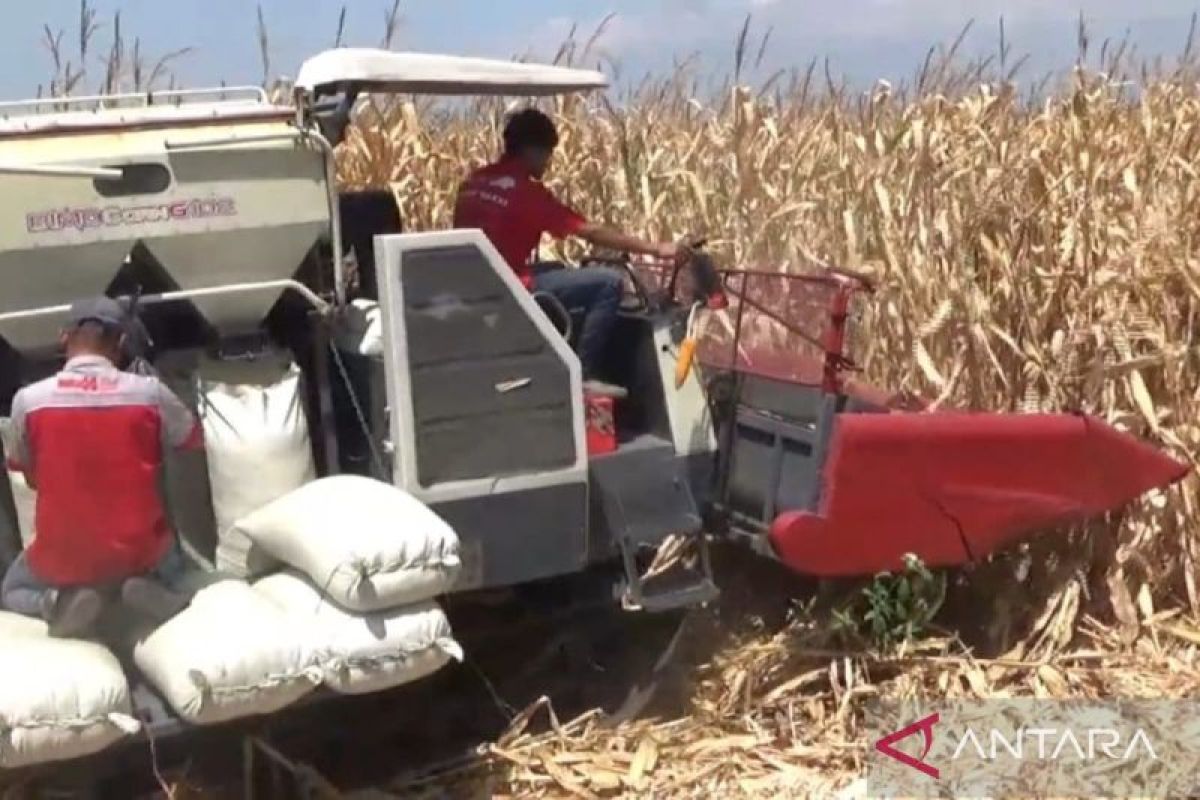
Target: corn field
{"points": [[1032, 252], [1030, 256]]}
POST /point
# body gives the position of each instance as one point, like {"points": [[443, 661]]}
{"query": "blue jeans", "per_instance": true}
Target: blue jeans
{"points": [[23, 592], [594, 290]]}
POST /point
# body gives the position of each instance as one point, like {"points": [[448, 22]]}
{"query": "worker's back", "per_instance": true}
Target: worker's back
{"points": [[513, 210], [91, 438]]}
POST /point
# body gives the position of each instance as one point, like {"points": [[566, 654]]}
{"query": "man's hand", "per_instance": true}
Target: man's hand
{"points": [[667, 251], [671, 251]]}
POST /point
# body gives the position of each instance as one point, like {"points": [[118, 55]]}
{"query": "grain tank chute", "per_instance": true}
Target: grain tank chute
{"points": [[215, 195]]}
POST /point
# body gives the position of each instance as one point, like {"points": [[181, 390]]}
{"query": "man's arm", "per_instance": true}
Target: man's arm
{"points": [[602, 236], [561, 221], [180, 428]]}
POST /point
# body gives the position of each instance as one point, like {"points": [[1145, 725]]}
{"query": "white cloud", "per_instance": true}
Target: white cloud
{"points": [[861, 35]]}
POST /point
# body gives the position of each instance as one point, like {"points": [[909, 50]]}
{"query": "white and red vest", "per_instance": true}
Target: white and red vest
{"points": [[91, 440]]}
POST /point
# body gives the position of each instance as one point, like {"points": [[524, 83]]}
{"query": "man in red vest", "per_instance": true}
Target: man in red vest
{"points": [[509, 203], [90, 441]]}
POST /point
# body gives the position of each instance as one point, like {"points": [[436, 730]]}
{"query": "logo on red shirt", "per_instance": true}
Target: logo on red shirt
{"points": [[89, 383]]}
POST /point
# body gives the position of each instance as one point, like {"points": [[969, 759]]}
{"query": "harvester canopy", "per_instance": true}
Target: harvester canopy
{"points": [[428, 73]]}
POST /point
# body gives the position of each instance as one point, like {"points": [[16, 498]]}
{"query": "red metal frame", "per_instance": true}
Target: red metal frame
{"points": [[953, 487], [835, 343], [826, 363], [950, 487]]}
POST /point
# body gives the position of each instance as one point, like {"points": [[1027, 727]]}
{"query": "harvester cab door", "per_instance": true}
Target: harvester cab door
{"points": [[486, 407], [484, 398]]}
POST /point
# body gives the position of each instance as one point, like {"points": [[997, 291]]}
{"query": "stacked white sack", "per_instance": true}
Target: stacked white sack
{"points": [[365, 544], [59, 698], [232, 653], [258, 449], [360, 328], [185, 484], [363, 653]]}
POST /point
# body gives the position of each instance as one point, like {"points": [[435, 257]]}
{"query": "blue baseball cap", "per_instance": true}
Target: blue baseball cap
{"points": [[105, 310]]}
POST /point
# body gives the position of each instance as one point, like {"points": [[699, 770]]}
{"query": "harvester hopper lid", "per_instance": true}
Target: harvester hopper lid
{"points": [[428, 73]]}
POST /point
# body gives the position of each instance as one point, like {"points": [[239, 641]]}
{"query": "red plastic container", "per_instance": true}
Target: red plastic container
{"points": [[599, 424]]}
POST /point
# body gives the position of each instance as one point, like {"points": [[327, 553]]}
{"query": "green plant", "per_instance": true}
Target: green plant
{"points": [[895, 607]]}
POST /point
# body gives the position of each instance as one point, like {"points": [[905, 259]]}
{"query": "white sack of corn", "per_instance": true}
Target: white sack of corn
{"points": [[365, 543], [371, 652], [360, 328], [185, 484], [59, 698], [231, 654], [258, 449]]}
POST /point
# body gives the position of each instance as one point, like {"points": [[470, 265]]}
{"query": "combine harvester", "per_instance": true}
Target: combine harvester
{"points": [[434, 400]]}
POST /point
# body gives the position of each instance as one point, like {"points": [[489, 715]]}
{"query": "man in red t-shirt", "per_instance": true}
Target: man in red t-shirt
{"points": [[90, 441], [509, 203]]}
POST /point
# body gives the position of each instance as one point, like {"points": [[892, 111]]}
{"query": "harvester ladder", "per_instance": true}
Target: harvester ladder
{"points": [[678, 586]]}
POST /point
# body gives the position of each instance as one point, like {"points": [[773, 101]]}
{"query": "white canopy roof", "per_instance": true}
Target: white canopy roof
{"points": [[428, 73]]}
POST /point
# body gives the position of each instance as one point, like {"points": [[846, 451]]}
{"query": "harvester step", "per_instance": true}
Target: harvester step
{"points": [[670, 592]]}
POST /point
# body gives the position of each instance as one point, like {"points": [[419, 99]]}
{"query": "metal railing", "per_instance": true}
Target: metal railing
{"points": [[60, 171], [177, 97], [788, 326], [186, 294]]}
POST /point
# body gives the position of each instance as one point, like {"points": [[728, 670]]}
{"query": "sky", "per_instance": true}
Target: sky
{"points": [[864, 40]]}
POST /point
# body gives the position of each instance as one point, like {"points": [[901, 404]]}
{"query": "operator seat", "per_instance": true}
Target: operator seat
{"points": [[365, 215], [567, 321]]}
